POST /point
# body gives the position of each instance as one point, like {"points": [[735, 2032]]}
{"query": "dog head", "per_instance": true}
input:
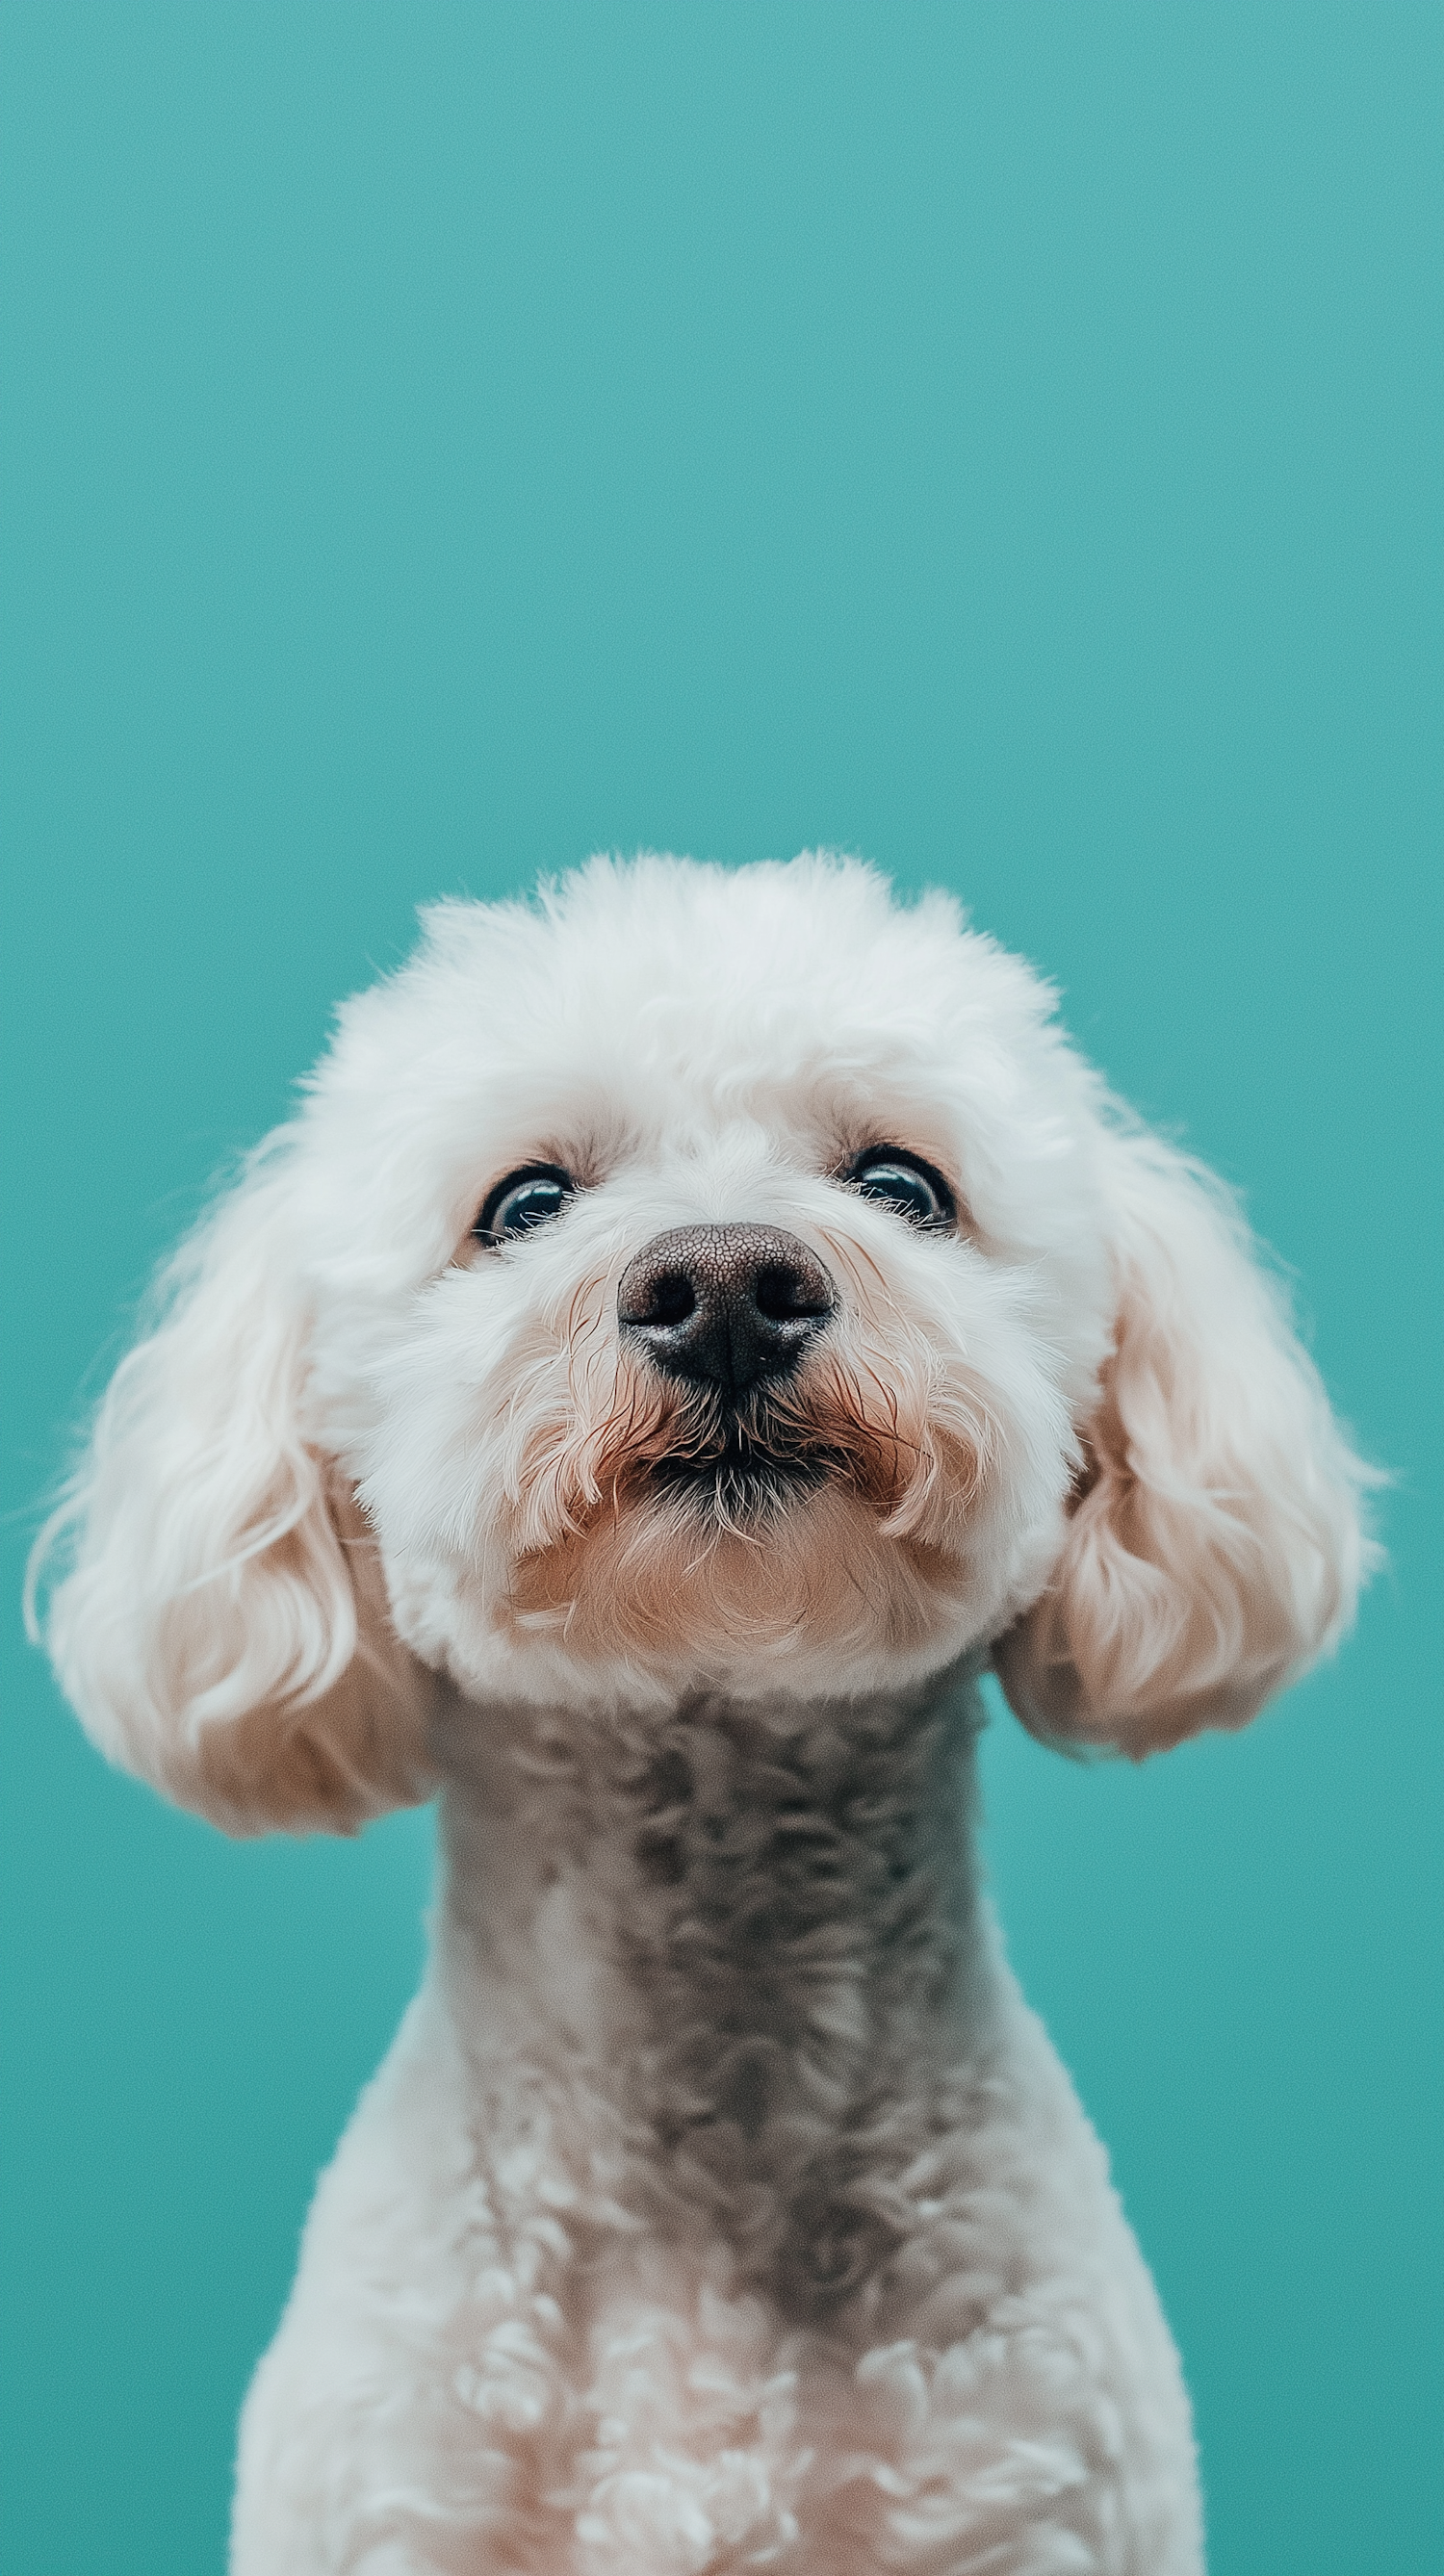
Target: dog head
{"points": [[696, 1279]]}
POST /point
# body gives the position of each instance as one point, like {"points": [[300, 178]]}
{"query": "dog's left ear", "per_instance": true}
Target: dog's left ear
{"points": [[1214, 1547]]}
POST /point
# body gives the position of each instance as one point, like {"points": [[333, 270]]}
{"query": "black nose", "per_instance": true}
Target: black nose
{"points": [[725, 1304]]}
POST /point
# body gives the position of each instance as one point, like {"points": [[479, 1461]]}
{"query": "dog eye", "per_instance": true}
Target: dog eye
{"points": [[904, 1182], [523, 1201]]}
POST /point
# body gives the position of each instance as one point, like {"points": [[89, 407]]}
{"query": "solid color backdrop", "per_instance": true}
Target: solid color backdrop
{"points": [[999, 437]]}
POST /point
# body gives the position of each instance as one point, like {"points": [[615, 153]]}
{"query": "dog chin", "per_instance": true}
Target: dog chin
{"points": [[747, 1572]]}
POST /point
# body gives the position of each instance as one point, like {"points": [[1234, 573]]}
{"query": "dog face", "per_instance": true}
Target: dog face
{"points": [[700, 1279], [755, 1309]]}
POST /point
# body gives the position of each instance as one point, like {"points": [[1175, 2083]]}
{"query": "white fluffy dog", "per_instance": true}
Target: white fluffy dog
{"points": [[692, 1326]]}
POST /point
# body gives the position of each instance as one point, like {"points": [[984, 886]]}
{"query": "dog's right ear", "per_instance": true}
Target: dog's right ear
{"points": [[221, 1623]]}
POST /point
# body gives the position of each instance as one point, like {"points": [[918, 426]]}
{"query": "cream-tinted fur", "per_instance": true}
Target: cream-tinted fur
{"points": [[720, 2204]]}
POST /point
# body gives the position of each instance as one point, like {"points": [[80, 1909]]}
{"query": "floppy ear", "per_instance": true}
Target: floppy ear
{"points": [[1214, 1547], [223, 1625]]}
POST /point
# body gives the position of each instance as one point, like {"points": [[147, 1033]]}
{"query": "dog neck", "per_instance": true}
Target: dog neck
{"points": [[731, 1941]]}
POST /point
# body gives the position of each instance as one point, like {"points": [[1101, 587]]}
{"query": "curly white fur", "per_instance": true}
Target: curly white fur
{"points": [[720, 2204]]}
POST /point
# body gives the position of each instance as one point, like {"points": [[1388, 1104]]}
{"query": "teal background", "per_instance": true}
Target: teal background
{"points": [[445, 439]]}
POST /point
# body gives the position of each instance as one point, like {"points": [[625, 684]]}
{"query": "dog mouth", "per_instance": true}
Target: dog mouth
{"points": [[696, 1455], [747, 1473]]}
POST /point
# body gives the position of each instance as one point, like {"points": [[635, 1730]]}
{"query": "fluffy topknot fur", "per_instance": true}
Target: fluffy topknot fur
{"points": [[380, 1505]]}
